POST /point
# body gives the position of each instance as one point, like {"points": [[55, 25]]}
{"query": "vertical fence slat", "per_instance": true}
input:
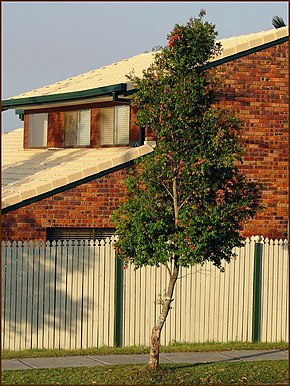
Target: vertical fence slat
{"points": [[96, 306], [35, 296], [25, 259], [90, 291], [109, 302], [69, 331], [102, 305], [41, 300], [113, 310]]}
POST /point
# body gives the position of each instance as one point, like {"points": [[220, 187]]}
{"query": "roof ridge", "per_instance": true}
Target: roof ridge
{"points": [[114, 73]]}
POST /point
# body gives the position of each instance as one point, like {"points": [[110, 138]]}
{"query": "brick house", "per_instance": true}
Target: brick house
{"points": [[64, 172]]}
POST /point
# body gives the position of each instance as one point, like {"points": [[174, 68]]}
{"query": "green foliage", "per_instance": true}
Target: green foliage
{"points": [[197, 152]]}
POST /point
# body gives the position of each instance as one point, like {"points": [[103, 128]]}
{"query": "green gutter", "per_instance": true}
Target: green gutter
{"points": [[20, 113], [63, 97], [64, 188]]}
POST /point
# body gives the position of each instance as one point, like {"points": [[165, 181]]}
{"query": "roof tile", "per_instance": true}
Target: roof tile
{"points": [[29, 173], [115, 73]]}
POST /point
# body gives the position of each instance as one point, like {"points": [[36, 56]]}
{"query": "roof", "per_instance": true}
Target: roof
{"points": [[33, 174], [115, 73]]}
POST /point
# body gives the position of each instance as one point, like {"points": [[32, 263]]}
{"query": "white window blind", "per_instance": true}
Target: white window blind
{"points": [[107, 119], [37, 130], [84, 128], [122, 122], [70, 127], [77, 128], [114, 125]]}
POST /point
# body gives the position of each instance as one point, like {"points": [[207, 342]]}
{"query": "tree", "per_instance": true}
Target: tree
{"points": [[186, 202]]}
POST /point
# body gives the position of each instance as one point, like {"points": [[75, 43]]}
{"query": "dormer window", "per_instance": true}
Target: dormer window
{"points": [[77, 128], [114, 125], [92, 126]]}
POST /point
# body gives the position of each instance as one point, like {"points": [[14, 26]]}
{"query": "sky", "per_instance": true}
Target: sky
{"points": [[44, 42]]}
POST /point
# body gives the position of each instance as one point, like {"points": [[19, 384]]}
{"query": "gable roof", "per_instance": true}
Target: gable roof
{"points": [[110, 79], [32, 174]]}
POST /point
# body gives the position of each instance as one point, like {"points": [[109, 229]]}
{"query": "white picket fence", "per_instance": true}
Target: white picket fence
{"points": [[76, 295]]}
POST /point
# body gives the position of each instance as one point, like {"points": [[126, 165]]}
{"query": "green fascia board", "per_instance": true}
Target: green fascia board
{"points": [[63, 97]]}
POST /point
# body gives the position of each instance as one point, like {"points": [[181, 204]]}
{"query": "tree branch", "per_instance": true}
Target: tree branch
{"points": [[175, 200], [167, 190], [184, 202]]}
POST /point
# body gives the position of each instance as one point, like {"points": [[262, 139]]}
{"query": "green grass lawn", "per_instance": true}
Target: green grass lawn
{"points": [[174, 347], [265, 372]]}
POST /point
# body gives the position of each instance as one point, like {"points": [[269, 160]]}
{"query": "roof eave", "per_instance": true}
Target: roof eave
{"points": [[119, 88]]}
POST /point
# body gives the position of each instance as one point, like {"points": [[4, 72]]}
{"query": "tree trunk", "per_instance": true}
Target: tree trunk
{"points": [[156, 331]]}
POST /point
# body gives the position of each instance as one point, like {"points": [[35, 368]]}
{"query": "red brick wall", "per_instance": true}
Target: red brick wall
{"points": [[95, 118], [55, 133], [86, 206], [255, 88], [134, 129]]}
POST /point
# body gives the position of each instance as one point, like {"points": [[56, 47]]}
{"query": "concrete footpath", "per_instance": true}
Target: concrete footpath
{"points": [[180, 357]]}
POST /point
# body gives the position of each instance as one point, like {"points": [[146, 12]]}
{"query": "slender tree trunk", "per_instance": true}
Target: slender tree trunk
{"points": [[156, 331]]}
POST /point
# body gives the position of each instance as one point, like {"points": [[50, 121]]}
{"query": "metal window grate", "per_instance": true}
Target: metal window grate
{"points": [[55, 234]]}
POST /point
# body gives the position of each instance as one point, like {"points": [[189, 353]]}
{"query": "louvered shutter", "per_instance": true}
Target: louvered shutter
{"points": [[37, 130], [84, 128], [107, 117], [122, 122], [70, 127], [78, 233]]}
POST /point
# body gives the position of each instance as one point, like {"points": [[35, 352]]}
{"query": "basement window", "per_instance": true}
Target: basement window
{"points": [[77, 128], [55, 234], [37, 130], [114, 125]]}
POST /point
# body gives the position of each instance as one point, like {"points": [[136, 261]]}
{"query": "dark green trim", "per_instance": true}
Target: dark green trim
{"points": [[130, 92], [245, 53], [20, 114], [257, 287], [116, 98], [118, 317], [64, 188], [64, 97]]}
